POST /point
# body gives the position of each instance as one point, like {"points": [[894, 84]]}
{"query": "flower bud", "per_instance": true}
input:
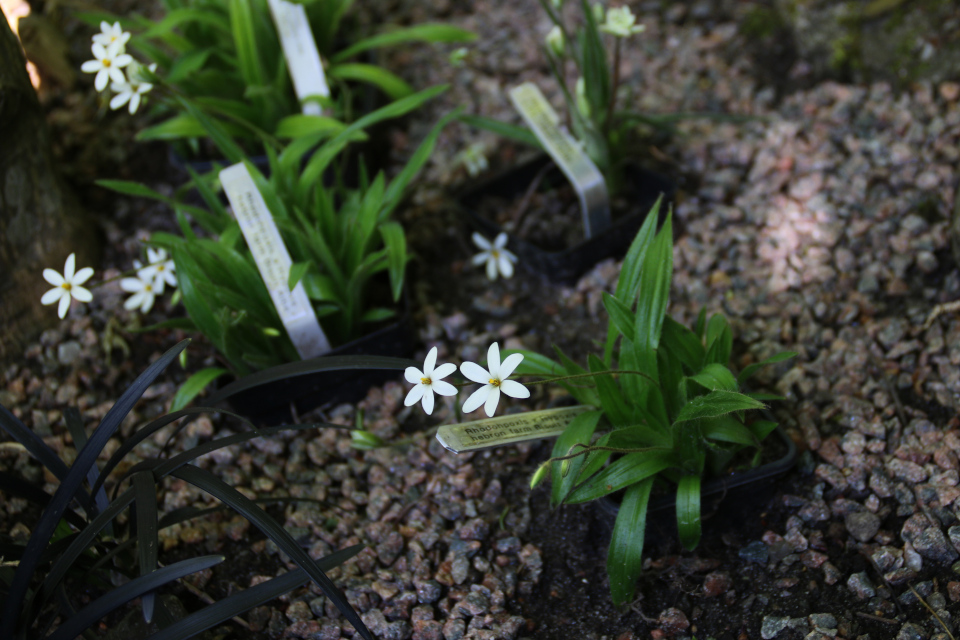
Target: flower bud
{"points": [[598, 12], [365, 440], [542, 472], [583, 105], [565, 468], [555, 42], [270, 332]]}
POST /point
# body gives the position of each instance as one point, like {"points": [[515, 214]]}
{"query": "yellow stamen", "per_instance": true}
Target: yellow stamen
{"points": [[426, 381], [67, 286], [495, 253], [105, 62], [495, 382]]}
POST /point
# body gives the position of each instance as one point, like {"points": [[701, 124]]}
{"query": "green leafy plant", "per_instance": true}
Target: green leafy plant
{"points": [[591, 47], [225, 57], [80, 538], [669, 408], [340, 240]]}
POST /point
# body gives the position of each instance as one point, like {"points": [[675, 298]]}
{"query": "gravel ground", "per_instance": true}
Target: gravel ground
{"points": [[821, 229]]}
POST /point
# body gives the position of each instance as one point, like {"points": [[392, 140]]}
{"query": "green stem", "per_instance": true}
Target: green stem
{"points": [[614, 88]]}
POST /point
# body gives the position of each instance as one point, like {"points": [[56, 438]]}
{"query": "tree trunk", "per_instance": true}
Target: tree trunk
{"points": [[41, 222]]}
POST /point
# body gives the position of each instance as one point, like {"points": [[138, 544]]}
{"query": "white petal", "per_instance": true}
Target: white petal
{"points": [[91, 66], [134, 285], [514, 389], [123, 59], [53, 295], [148, 299], [444, 388], [443, 371], [429, 363], [493, 360], [100, 82], [81, 293], [116, 74], [155, 255], [473, 371], [414, 396], [64, 307], [82, 276], [509, 255], [481, 242], [133, 301], [53, 277], [413, 375], [509, 364], [490, 406], [477, 398], [168, 276], [506, 269], [491, 267], [105, 27], [501, 240], [428, 400], [134, 103], [480, 258], [70, 267], [99, 51], [119, 100]]}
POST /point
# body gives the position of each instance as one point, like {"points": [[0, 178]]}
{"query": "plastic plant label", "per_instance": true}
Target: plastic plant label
{"points": [[300, 51], [567, 153], [518, 427], [273, 262]]}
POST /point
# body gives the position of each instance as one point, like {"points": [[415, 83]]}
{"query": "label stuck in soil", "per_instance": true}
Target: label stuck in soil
{"points": [[518, 427], [567, 153], [300, 51], [273, 261]]}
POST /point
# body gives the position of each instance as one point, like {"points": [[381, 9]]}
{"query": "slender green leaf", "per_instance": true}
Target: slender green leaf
{"points": [[715, 376], [625, 554], [132, 189], [194, 385], [297, 271], [683, 343], [391, 84], [503, 129], [688, 511], [620, 315], [579, 431], [751, 369], [728, 429], [719, 340], [299, 125], [628, 470], [396, 246], [717, 403], [428, 32], [611, 399]]}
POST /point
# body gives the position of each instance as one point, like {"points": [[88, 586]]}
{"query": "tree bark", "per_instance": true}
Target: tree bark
{"points": [[41, 222]]}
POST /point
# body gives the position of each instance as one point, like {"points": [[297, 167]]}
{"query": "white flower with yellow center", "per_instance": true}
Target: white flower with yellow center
{"points": [[494, 380], [160, 269], [131, 91], [67, 286], [620, 23], [144, 290], [110, 34], [107, 64], [429, 381], [496, 257]]}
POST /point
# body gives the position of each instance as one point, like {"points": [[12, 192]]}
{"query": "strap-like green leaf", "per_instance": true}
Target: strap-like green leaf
{"points": [[729, 429], [611, 398], [621, 316], [625, 554], [688, 511], [751, 369], [717, 403], [396, 245], [629, 469], [503, 129], [715, 376], [719, 340], [391, 84], [194, 385], [428, 32], [579, 431], [683, 343]]}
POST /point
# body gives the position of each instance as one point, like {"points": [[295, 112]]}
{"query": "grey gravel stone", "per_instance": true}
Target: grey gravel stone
{"points": [[910, 631], [861, 586], [755, 551], [862, 525], [68, 352]]}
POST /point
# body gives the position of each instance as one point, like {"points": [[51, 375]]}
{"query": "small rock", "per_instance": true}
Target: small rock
{"points": [[933, 545], [673, 620], [861, 586], [716, 583], [910, 631], [454, 629], [68, 352], [772, 626], [822, 620], [862, 525], [756, 551]]}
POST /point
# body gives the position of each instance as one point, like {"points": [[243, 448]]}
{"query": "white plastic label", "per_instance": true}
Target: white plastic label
{"points": [[579, 169], [300, 50], [517, 427], [273, 261]]}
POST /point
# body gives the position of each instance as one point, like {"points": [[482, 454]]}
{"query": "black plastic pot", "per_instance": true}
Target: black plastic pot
{"points": [[641, 190], [274, 402], [726, 501]]}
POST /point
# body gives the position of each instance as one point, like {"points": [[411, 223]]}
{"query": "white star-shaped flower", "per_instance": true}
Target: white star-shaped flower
{"points": [[144, 290], [110, 34], [496, 257], [493, 380], [620, 22], [160, 269], [67, 286], [107, 64], [429, 382]]}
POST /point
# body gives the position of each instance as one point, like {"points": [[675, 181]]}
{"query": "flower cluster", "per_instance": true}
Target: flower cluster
{"points": [[493, 379], [149, 283], [109, 61]]}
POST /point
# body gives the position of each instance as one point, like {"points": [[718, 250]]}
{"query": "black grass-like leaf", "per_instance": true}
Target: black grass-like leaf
{"points": [[258, 517], [69, 486], [145, 492], [78, 433], [137, 587], [249, 598]]}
